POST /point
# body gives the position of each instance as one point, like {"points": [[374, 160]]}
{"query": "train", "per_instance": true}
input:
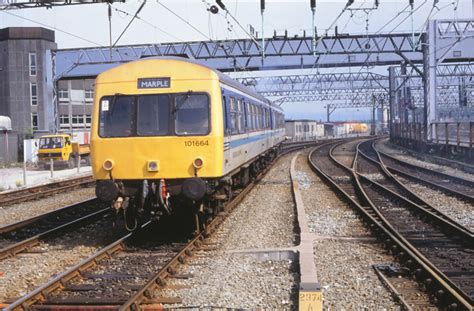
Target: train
{"points": [[170, 134]]}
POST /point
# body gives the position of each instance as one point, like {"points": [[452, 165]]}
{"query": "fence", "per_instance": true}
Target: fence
{"points": [[459, 135]]}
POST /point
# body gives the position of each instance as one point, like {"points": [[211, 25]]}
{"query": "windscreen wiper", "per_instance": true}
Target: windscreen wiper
{"points": [[178, 106]]}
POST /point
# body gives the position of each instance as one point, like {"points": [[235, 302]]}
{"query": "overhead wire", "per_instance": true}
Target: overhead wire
{"points": [[184, 21], [218, 44], [408, 16], [316, 63], [130, 23], [240, 25], [51, 27], [150, 24]]}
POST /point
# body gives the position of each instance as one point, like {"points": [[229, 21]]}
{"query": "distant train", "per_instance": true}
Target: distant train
{"points": [[170, 134], [358, 128]]}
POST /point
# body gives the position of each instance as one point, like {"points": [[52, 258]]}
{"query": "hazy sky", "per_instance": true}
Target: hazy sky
{"points": [[87, 25]]}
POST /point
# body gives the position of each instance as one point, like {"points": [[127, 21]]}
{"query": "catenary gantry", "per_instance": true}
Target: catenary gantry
{"points": [[446, 42]]}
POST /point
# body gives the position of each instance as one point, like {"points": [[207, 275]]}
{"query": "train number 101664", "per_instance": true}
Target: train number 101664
{"points": [[196, 143]]}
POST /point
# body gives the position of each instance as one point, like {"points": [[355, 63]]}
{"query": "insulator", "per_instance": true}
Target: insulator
{"points": [[349, 3], [214, 9], [262, 5], [312, 3], [376, 3], [221, 4], [411, 2]]}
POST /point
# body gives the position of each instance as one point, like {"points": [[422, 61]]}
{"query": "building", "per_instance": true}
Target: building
{"points": [[26, 78], [302, 130], [75, 99]]}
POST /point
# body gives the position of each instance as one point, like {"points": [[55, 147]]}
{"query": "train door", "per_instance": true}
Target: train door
{"points": [[227, 124]]}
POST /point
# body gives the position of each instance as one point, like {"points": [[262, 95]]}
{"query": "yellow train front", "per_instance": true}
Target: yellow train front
{"points": [[171, 134]]}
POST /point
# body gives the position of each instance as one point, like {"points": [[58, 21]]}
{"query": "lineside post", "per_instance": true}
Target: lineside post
{"points": [[24, 173]]}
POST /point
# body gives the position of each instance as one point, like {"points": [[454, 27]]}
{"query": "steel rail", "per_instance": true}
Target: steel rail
{"points": [[40, 294], [448, 228], [58, 282], [35, 192], [16, 248], [406, 253], [422, 205], [425, 178], [30, 241]]}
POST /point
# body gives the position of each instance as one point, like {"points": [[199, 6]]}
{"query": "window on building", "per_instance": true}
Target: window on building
{"points": [[34, 121], [63, 91], [63, 95], [89, 96], [32, 64], [64, 121], [77, 120], [33, 94], [88, 119]]}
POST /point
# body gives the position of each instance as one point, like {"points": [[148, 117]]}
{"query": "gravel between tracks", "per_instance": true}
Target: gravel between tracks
{"points": [[21, 211], [384, 145], [24, 272], [344, 267], [264, 219], [458, 210]]}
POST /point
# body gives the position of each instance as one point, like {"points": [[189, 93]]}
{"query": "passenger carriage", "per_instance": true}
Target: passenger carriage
{"points": [[170, 133]]}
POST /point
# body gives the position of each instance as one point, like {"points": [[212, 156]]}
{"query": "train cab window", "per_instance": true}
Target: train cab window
{"points": [[153, 115], [117, 114], [191, 113]]}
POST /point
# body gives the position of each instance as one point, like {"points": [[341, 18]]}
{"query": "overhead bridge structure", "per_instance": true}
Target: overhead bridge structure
{"points": [[423, 74]]}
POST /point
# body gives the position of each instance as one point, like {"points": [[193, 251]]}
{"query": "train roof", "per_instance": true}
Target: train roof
{"points": [[222, 78]]}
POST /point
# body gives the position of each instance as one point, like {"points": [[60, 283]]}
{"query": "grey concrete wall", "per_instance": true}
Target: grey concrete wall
{"points": [[12, 155], [15, 82]]}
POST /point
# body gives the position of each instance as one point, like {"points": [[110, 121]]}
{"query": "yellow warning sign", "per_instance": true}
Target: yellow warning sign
{"points": [[310, 301]]}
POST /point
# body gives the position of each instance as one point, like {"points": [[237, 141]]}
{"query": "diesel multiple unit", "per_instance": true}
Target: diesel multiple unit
{"points": [[169, 133]]}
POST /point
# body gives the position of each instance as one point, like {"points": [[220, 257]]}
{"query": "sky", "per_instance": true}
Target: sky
{"points": [[87, 25]]}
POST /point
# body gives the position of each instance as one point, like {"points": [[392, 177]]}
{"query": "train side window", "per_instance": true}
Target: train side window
{"points": [[153, 115], [234, 115], [241, 116], [248, 115], [117, 116], [267, 118], [191, 114], [255, 116], [224, 114]]}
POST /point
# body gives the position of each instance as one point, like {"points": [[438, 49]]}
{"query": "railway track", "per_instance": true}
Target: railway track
{"points": [[369, 164], [124, 274], [439, 255], [446, 183], [17, 237], [40, 191]]}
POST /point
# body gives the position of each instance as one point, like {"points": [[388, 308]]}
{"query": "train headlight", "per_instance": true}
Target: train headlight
{"points": [[108, 164], [153, 166], [198, 162]]}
